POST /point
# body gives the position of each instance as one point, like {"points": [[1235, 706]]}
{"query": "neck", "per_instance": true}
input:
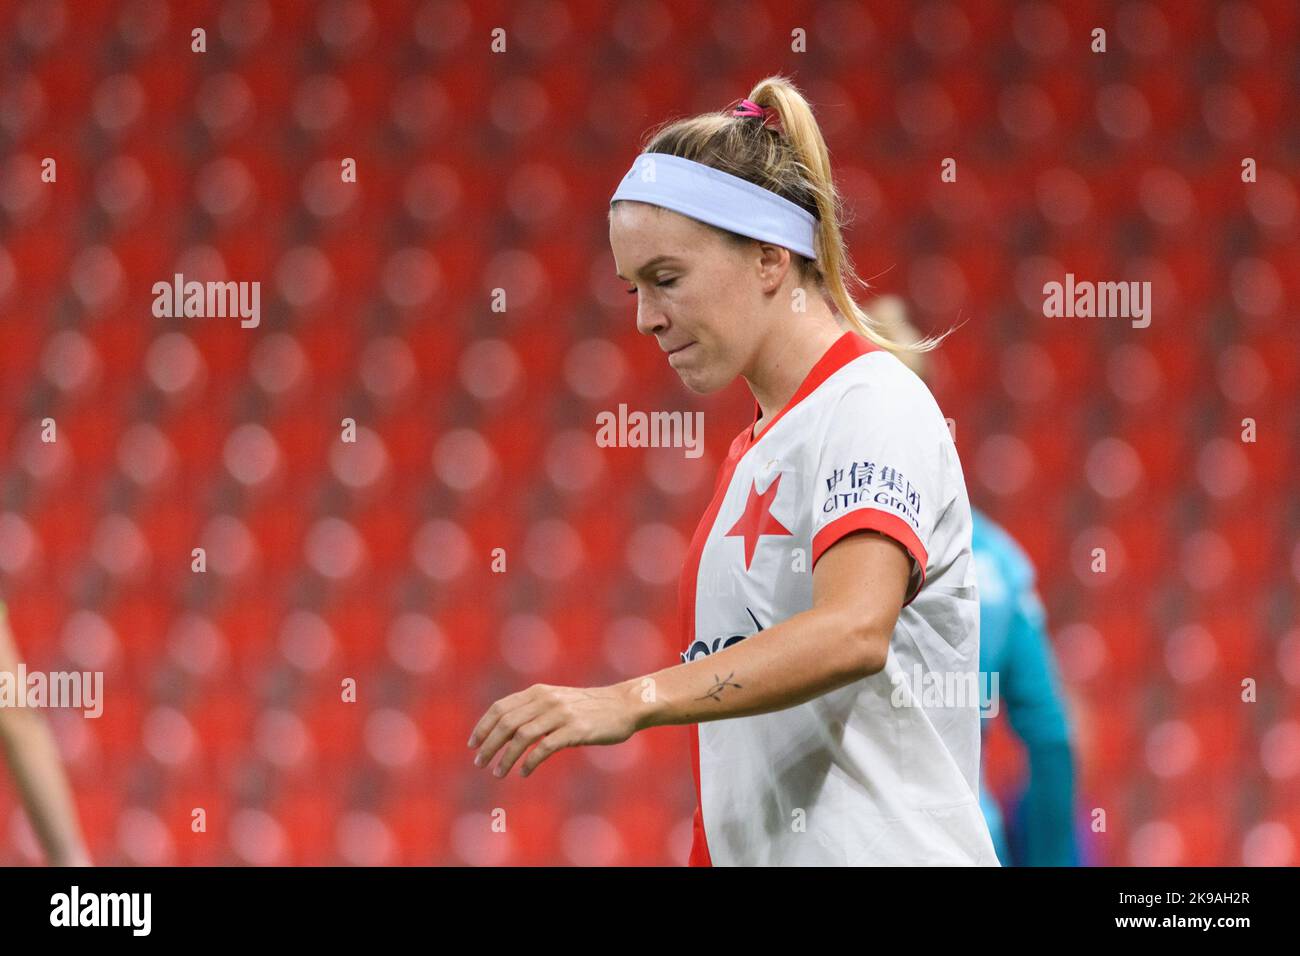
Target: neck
{"points": [[786, 356]]}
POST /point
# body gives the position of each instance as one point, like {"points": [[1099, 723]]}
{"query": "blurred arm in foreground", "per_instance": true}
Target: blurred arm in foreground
{"points": [[33, 756]]}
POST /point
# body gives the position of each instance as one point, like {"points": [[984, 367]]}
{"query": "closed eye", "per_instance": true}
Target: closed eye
{"points": [[662, 285]]}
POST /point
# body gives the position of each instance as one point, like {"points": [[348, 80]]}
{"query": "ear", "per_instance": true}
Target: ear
{"points": [[773, 263]]}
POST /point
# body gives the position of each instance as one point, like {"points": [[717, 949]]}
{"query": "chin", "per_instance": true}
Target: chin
{"points": [[702, 383], [703, 377]]}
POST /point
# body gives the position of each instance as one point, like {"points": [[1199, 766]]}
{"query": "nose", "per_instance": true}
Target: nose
{"points": [[649, 320]]}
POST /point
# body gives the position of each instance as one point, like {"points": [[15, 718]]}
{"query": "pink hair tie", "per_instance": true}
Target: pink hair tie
{"points": [[748, 108]]}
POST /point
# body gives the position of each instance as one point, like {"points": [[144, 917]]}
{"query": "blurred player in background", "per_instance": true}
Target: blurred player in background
{"points": [[33, 756], [1014, 644]]}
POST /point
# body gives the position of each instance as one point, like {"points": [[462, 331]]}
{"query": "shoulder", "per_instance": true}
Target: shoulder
{"points": [[876, 397], [886, 371], [878, 379]]}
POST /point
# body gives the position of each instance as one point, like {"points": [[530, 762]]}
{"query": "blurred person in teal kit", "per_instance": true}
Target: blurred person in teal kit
{"points": [[1015, 646]]}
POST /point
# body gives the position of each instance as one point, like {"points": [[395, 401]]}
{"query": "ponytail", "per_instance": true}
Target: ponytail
{"points": [[786, 154]]}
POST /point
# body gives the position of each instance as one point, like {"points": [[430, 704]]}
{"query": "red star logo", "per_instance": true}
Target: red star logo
{"points": [[757, 519]]}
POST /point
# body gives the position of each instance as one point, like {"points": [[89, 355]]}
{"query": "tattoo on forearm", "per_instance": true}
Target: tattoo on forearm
{"points": [[718, 684]]}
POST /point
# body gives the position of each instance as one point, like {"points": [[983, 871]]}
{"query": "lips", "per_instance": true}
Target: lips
{"points": [[680, 347]]}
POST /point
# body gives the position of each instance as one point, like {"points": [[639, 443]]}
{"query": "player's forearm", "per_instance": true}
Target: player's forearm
{"points": [[38, 771], [792, 662], [1049, 805]]}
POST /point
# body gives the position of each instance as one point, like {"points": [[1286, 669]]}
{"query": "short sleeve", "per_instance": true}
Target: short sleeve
{"points": [[880, 468]]}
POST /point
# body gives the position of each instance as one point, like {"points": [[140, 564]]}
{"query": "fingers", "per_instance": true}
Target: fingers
{"points": [[497, 711], [540, 713], [505, 729], [526, 735], [558, 740]]}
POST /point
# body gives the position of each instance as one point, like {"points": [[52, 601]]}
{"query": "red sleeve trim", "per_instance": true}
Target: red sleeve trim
{"points": [[873, 519]]}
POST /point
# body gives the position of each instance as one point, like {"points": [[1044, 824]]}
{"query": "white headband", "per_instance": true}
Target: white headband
{"points": [[719, 199]]}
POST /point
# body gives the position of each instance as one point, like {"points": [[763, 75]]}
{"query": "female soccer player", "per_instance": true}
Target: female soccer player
{"points": [[828, 606]]}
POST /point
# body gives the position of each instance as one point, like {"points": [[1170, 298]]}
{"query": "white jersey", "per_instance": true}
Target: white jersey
{"points": [[882, 770]]}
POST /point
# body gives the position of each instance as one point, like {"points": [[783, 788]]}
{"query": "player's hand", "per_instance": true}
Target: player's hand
{"points": [[553, 718]]}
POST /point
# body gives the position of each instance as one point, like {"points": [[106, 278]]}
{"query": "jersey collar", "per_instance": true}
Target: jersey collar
{"points": [[842, 351]]}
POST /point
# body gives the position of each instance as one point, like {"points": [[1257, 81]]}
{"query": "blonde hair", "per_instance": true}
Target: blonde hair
{"points": [[790, 158]]}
